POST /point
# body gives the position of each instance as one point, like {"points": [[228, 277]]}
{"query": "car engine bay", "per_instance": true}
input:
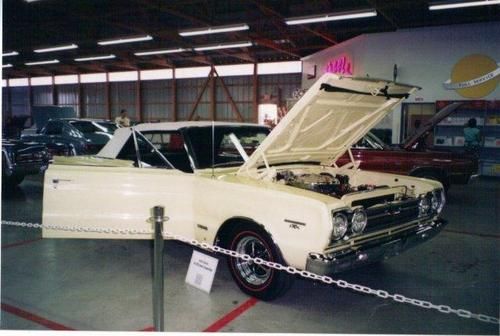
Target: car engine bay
{"points": [[325, 183]]}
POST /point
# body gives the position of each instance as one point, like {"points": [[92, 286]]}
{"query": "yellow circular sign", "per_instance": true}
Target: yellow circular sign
{"points": [[474, 76]]}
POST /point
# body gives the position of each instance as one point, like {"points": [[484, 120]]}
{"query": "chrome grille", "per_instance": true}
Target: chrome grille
{"points": [[389, 214]]}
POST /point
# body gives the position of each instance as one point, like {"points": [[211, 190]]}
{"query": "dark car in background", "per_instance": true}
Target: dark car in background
{"points": [[413, 157], [20, 159], [82, 136], [445, 167]]}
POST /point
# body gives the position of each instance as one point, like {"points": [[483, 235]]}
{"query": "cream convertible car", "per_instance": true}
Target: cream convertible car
{"points": [[278, 196]]}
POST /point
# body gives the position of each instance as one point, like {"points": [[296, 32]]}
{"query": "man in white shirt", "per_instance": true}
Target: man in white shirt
{"points": [[122, 120]]}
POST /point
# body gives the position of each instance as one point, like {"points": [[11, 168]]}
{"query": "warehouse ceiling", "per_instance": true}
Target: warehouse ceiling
{"points": [[30, 25]]}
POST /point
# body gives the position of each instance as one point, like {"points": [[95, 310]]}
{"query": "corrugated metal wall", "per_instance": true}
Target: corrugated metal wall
{"points": [[279, 85], [123, 96], [94, 100], [157, 97], [42, 95], [67, 95], [5, 103], [188, 91], [20, 101], [157, 100], [240, 89]]}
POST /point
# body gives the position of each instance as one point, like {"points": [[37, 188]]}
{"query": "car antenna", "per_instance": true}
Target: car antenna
{"points": [[213, 148]]}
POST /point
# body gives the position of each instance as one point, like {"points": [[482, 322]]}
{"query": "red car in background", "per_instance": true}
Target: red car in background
{"points": [[413, 158]]}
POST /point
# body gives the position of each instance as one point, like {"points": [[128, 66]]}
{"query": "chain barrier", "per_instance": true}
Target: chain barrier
{"points": [[259, 261]]}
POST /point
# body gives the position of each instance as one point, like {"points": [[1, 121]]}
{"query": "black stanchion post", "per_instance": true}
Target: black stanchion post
{"points": [[158, 319]]}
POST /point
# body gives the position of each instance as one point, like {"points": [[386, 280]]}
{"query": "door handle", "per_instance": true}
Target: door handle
{"points": [[55, 181]]}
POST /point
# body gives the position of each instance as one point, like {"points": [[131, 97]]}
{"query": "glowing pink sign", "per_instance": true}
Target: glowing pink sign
{"points": [[341, 65]]}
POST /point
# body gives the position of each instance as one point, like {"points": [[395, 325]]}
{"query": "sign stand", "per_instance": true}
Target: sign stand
{"points": [[158, 275]]}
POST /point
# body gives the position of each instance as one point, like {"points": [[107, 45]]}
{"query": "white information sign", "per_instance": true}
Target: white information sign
{"points": [[201, 271]]}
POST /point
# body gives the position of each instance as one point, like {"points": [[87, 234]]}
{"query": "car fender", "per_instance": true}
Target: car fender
{"points": [[298, 221]]}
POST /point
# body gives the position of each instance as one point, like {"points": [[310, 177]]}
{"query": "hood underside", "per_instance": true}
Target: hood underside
{"points": [[331, 116]]}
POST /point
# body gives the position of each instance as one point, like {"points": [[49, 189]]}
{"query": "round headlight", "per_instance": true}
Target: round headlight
{"points": [[442, 197], [358, 221], [424, 206], [339, 225], [435, 201]]}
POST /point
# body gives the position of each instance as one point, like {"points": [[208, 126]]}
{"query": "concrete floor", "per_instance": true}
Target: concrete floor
{"points": [[106, 285]]}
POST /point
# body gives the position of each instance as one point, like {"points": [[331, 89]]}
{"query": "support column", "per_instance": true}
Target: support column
{"points": [[55, 96], [107, 97], [30, 100], [255, 101], [82, 113], [9, 99], [175, 110], [213, 98], [138, 98]]}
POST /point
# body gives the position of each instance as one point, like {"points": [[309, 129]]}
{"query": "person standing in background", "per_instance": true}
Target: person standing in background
{"points": [[472, 136], [122, 120]]}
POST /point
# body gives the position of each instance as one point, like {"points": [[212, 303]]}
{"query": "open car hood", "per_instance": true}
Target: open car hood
{"points": [[422, 130], [331, 116]]}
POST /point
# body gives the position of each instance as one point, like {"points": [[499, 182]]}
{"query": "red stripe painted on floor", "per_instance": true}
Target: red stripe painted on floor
{"points": [[24, 242], [34, 318], [148, 329], [473, 234], [226, 319]]}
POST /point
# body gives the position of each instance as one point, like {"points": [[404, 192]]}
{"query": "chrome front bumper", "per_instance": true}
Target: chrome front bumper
{"points": [[373, 251]]}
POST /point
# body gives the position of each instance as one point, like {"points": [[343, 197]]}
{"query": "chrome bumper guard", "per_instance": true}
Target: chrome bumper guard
{"points": [[383, 248]]}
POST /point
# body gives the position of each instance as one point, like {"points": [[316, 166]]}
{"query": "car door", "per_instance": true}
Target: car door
{"points": [[113, 194]]}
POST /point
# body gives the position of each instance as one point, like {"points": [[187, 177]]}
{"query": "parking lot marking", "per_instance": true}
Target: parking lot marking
{"points": [[226, 319], [34, 318], [24, 242]]}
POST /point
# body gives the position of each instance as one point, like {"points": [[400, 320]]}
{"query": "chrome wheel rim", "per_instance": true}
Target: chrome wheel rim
{"points": [[251, 272]]}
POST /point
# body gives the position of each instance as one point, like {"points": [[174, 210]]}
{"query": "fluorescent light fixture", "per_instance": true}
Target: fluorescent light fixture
{"points": [[126, 40], [43, 62], [10, 53], [214, 30], [159, 52], [94, 58], [452, 5], [331, 17], [8, 65], [224, 46], [58, 48]]}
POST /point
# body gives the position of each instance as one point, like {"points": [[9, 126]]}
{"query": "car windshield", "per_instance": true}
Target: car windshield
{"points": [[227, 139], [93, 127], [370, 141]]}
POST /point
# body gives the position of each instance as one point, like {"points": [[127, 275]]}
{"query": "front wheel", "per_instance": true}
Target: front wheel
{"points": [[262, 282]]}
